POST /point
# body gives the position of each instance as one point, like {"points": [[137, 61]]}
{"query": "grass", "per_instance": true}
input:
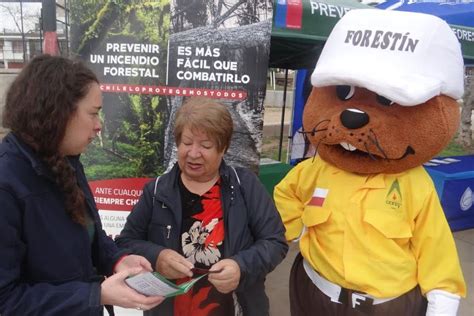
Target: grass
{"points": [[271, 145], [455, 149]]}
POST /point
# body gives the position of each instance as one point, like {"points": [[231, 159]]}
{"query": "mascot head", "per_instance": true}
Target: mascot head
{"points": [[384, 91]]}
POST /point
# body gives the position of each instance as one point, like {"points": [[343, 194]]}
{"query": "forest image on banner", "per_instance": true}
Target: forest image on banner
{"points": [[149, 56], [108, 35]]}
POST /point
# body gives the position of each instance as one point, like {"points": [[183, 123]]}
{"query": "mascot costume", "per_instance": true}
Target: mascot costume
{"points": [[372, 234]]}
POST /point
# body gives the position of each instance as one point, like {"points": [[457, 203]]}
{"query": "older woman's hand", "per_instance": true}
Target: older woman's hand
{"points": [[228, 278], [172, 265]]}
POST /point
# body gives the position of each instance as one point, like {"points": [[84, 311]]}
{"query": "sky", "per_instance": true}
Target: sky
{"points": [[31, 13]]}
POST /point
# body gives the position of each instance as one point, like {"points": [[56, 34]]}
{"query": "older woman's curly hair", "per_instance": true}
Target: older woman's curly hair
{"points": [[39, 104]]}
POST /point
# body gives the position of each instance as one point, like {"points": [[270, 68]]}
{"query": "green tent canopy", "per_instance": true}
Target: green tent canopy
{"points": [[465, 36], [300, 28]]}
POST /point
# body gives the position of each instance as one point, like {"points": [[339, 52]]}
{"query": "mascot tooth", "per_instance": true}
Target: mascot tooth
{"points": [[373, 237]]}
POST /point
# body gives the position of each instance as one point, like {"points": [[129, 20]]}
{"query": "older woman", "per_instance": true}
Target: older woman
{"points": [[205, 214]]}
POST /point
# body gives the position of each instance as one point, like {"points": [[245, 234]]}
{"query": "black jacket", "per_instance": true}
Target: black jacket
{"points": [[254, 233], [48, 266]]}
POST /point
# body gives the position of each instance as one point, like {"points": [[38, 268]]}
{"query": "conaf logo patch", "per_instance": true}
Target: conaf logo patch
{"points": [[394, 196]]}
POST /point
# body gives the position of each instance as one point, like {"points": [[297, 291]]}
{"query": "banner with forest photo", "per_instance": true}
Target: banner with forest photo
{"points": [[149, 57]]}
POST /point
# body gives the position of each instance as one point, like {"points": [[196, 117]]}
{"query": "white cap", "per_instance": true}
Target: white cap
{"points": [[406, 57]]}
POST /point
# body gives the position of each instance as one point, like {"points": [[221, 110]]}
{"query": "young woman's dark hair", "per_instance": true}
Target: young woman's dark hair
{"points": [[39, 104]]}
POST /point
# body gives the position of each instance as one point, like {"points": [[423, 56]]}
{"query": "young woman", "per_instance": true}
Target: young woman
{"points": [[56, 259]]}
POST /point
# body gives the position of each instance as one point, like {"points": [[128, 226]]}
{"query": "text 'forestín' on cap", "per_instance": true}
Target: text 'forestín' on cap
{"points": [[382, 40]]}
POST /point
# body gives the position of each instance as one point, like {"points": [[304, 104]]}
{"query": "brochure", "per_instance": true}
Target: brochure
{"points": [[153, 283]]}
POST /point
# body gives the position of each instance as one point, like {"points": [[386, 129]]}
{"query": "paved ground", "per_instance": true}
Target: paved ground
{"points": [[272, 121], [277, 281]]}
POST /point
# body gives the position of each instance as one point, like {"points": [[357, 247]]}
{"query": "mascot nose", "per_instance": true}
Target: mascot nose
{"points": [[354, 118]]}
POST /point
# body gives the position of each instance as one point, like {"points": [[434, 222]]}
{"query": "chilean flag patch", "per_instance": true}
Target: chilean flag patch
{"points": [[319, 196]]}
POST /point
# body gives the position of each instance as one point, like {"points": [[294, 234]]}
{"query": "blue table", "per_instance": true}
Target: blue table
{"points": [[454, 181]]}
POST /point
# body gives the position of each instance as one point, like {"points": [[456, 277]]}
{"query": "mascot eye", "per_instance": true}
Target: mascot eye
{"points": [[344, 93], [384, 101]]}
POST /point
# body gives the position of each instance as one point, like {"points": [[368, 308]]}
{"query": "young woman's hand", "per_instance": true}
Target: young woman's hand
{"points": [[132, 261], [228, 278], [172, 265], [114, 291]]}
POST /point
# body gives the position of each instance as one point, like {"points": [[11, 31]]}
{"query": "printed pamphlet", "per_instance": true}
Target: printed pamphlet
{"points": [[153, 284]]}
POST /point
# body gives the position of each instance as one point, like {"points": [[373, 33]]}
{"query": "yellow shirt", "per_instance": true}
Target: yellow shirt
{"points": [[379, 234]]}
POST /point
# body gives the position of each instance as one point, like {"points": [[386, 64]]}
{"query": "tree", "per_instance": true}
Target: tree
{"points": [[465, 129], [21, 13], [251, 11], [132, 135], [189, 14], [25, 18], [143, 144], [234, 27]]}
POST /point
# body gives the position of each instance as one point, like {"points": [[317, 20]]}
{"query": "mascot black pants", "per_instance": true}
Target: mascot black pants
{"points": [[306, 300]]}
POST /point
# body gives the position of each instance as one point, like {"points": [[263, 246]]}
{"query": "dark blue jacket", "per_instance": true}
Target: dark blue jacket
{"points": [[254, 233], [48, 266]]}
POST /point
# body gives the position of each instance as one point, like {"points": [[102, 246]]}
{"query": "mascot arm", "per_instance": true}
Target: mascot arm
{"points": [[442, 303], [289, 204], [433, 246]]}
